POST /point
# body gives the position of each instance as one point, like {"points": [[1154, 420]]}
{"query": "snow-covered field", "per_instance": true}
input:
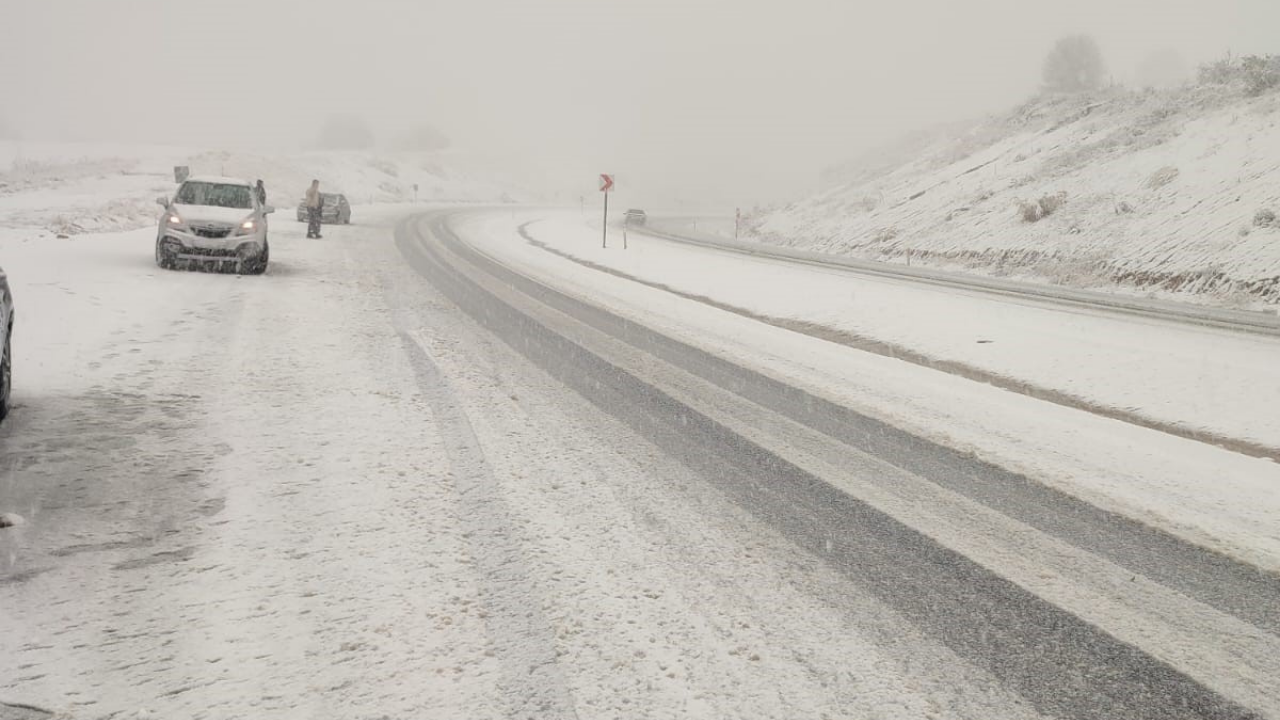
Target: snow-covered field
{"points": [[1171, 192], [326, 492], [51, 189]]}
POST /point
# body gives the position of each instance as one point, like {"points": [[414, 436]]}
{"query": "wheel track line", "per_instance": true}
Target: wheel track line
{"points": [[1060, 663], [532, 681]]}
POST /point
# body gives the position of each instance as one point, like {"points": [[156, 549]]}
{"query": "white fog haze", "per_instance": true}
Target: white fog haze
{"points": [[706, 100], [640, 360]]}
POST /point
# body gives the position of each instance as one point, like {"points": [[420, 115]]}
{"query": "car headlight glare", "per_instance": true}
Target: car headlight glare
{"points": [[174, 219], [246, 225]]}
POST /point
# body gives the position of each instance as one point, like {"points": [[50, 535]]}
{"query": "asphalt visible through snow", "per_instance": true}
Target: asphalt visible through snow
{"points": [[1062, 664]]}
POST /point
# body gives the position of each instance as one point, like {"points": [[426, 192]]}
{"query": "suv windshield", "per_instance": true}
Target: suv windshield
{"points": [[215, 194]]}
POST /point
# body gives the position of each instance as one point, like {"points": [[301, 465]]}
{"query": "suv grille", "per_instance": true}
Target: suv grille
{"points": [[212, 232]]}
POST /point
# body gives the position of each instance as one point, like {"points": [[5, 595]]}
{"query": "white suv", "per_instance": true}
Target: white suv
{"points": [[213, 221]]}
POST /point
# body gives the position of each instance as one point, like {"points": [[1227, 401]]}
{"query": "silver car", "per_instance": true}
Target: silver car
{"points": [[334, 209], [215, 222]]}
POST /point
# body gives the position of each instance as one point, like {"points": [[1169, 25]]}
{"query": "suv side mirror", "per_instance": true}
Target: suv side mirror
{"points": [[268, 209], [162, 201]]}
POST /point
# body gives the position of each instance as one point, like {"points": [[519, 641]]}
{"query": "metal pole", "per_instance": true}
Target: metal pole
{"points": [[626, 222], [604, 229]]}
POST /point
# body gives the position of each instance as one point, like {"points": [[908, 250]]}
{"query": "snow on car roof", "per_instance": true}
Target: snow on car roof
{"points": [[219, 180]]}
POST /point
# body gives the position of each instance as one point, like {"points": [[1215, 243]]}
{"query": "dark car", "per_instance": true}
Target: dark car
{"points": [[335, 209], [6, 361], [635, 216]]}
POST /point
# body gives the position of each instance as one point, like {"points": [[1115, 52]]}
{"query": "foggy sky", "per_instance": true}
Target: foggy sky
{"points": [[729, 102]]}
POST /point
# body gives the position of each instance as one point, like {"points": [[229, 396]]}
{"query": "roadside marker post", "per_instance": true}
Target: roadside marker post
{"points": [[606, 187]]}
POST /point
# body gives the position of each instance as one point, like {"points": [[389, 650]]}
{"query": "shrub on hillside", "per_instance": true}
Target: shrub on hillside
{"points": [[1030, 211], [1261, 74], [1162, 177], [1049, 204], [1265, 218], [884, 235], [1040, 209], [1217, 72], [1258, 74]]}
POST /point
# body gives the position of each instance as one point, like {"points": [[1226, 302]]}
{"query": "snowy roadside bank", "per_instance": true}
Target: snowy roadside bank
{"points": [[1171, 193]]}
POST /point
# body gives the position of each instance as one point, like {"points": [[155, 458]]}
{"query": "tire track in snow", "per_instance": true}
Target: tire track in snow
{"points": [[533, 683]]}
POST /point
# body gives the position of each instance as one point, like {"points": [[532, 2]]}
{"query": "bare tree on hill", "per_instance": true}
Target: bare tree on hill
{"points": [[1074, 65]]}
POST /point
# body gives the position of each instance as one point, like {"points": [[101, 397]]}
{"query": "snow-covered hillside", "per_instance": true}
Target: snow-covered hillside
{"points": [[69, 189], [1175, 191]]}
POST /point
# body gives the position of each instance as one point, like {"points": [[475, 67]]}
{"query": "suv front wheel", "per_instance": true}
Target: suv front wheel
{"points": [[164, 259], [6, 373], [258, 265]]}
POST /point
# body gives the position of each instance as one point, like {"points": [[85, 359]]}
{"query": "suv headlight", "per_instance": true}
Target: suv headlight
{"points": [[172, 218], [247, 227]]}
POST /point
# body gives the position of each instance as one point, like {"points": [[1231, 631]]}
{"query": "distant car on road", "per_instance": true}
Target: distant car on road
{"points": [[6, 360], [635, 216], [336, 209], [214, 221]]}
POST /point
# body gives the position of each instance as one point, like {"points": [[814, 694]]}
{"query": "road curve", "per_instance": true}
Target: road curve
{"points": [[1082, 613], [1237, 320]]}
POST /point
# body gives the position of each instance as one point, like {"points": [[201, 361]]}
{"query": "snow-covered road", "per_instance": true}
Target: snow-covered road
{"points": [[394, 478]]}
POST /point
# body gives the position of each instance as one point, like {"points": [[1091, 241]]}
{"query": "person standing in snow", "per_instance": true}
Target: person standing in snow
{"points": [[314, 202], [261, 191]]}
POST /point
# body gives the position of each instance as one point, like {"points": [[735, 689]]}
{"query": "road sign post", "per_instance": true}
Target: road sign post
{"points": [[606, 187]]}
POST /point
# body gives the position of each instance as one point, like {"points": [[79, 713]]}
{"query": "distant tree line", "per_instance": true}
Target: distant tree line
{"points": [[1075, 65]]}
